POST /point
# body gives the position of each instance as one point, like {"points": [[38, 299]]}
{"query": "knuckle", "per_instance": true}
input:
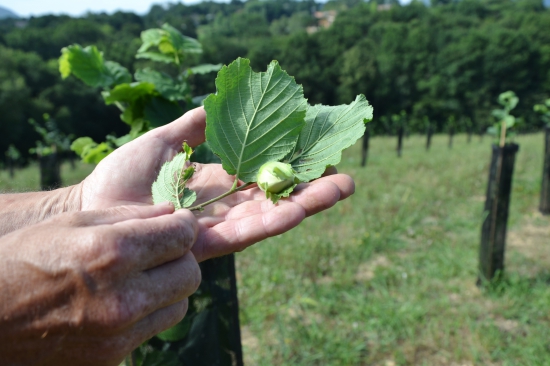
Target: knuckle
{"points": [[102, 251], [117, 314]]}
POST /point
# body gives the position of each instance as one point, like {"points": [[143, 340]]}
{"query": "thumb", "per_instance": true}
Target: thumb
{"points": [[122, 213], [189, 127]]}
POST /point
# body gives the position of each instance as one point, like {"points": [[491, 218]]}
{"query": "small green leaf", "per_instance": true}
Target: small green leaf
{"points": [[171, 45], [164, 84], [119, 73], [88, 65], [275, 197], [119, 141], [493, 131], [155, 56], [94, 154], [328, 131], [151, 38], [254, 117], [128, 92], [170, 183], [81, 143], [510, 121], [180, 42], [203, 69], [177, 332]]}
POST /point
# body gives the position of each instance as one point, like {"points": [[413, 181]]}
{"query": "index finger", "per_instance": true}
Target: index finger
{"points": [[148, 243]]}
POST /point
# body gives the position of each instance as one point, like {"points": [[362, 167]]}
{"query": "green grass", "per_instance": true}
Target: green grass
{"points": [[28, 178], [388, 276]]}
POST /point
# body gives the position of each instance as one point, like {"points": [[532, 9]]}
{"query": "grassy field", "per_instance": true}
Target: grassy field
{"points": [[388, 276]]}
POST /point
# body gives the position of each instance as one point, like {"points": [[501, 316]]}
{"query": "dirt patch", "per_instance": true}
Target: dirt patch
{"points": [[533, 243], [531, 240], [507, 325], [366, 270]]}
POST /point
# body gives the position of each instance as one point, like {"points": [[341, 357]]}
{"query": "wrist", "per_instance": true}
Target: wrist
{"points": [[23, 209], [62, 200]]}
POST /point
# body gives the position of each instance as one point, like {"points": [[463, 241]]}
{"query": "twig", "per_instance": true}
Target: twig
{"points": [[231, 191]]}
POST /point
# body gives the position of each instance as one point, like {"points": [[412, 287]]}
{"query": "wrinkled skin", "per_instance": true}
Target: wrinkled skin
{"points": [[87, 286]]}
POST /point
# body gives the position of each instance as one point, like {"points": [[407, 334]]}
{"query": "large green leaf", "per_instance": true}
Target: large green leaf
{"points": [[88, 65], [328, 131], [170, 183], [254, 117]]}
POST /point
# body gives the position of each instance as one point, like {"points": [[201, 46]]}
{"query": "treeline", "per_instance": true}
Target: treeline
{"points": [[449, 59]]}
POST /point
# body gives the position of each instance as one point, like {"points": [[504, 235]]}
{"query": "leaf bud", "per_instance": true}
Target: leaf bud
{"points": [[275, 177]]}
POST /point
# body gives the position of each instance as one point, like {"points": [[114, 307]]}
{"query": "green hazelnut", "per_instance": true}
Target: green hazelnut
{"points": [[275, 177]]}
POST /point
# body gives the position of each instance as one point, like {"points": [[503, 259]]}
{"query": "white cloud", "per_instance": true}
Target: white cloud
{"points": [[26, 8]]}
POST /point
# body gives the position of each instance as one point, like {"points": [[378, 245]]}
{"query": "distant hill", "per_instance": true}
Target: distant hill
{"points": [[7, 13]]}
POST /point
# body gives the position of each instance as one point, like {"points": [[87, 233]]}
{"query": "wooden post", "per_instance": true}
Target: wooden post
{"points": [[400, 133], [429, 133], [365, 148], [493, 230], [451, 134], [545, 189], [11, 165], [50, 175], [214, 337]]}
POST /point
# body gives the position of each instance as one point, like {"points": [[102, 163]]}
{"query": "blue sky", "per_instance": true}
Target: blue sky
{"points": [[26, 8]]}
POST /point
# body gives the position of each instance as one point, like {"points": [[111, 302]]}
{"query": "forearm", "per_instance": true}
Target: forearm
{"points": [[22, 209]]}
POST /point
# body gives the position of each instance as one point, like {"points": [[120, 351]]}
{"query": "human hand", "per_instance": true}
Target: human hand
{"points": [[87, 288], [229, 225]]}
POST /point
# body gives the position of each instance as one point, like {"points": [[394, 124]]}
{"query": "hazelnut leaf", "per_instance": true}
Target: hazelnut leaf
{"points": [[170, 183], [328, 131], [254, 117]]}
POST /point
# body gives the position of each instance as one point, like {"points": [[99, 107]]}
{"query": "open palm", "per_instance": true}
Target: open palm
{"points": [[239, 220]]}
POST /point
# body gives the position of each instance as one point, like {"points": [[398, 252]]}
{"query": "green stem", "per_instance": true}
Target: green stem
{"points": [[120, 106], [231, 191]]}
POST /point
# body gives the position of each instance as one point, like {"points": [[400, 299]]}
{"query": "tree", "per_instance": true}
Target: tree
{"points": [[154, 99]]}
